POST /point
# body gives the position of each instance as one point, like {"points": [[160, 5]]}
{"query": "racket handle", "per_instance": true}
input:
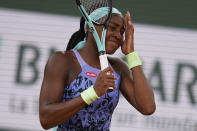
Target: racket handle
{"points": [[110, 89], [103, 61], [104, 64]]}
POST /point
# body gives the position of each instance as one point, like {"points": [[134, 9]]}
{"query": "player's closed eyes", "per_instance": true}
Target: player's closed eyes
{"points": [[112, 28]]}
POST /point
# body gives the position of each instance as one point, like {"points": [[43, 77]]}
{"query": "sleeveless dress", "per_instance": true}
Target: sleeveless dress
{"points": [[96, 116]]}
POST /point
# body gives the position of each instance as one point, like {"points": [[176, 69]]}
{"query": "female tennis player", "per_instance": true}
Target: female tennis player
{"points": [[74, 93]]}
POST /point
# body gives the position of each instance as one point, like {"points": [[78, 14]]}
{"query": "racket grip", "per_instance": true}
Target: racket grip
{"points": [[103, 61], [104, 64]]}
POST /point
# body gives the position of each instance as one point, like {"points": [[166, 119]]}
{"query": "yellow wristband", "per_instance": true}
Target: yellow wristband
{"points": [[89, 95], [133, 60]]}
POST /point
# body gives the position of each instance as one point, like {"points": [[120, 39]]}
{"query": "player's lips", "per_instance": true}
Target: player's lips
{"points": [[115, 41]]}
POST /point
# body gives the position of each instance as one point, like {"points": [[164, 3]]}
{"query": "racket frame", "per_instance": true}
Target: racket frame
{"points": [[100, 43]]}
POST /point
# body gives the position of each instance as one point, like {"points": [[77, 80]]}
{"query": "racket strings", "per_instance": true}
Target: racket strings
{"points": [[92, 5]]}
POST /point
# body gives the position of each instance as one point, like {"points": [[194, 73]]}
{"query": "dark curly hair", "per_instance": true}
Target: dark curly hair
{"points": [[77, 36]]}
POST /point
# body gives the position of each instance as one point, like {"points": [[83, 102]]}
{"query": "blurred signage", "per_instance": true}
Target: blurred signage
{"points": [[169, 60]]}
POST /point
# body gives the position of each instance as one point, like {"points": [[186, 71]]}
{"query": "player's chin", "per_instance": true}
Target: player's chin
{"points": [[112, 49]]}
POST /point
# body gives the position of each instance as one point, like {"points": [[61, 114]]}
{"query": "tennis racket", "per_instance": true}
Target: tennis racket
{"points": [[87, 8]]}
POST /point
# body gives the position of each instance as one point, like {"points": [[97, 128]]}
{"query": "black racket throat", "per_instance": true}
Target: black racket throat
{"points": [[78, 2], [102, 53]]}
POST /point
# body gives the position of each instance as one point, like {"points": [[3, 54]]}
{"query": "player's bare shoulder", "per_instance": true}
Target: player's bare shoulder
{"points": [[60, 61]]}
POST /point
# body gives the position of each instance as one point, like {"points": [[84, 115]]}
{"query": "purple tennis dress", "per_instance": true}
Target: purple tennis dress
{"points": [[96, 116]]}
